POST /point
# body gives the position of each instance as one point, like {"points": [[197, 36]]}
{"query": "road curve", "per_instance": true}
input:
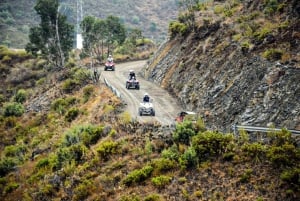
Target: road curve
{"points": [[166, 107]]}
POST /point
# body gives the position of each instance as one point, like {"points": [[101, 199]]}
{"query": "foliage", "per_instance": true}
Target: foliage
{"points": [[72, 114], [161, 181], [86, 134], [245, 177], [7, 164], [53, 38], [291, 177], [162, 164], [212, 143], [177, 28], [106, 148], [171, 153], [82, 190], [184, 132], [256, 151], [272, 54], [283, 155], [138, 175], [21, 96], [189, 158], [13, 109], [87, 92], [60, 105], [101, 34]]}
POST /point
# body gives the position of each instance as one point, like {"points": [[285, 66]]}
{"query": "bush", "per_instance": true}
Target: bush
{"points": [[272, 54], [211, 143], [176, 28], [13, 109], [72, 114], [161, 181], [7, 164], [189, 158], [291, 177], [69, 85], [107, 148], [138, 176], [171, 153], [87, 92], [163, 164], [86, 134], [152, 197], [183, 132], [21, 96], [256, 151], [286, 155]]}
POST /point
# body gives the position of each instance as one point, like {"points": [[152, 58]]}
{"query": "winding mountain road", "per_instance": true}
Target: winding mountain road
{"points": [[166, 107]]}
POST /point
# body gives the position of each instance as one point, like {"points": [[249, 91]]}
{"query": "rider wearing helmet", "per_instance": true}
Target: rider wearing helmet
{"points": [[110, 58], [131, 74], [146, 98]]}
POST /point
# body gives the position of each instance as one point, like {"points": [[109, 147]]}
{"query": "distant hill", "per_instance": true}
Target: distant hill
{"points": [[152, 17]]}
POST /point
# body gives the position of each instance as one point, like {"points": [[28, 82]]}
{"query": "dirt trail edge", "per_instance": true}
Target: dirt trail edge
{"points": [[166, 107]]}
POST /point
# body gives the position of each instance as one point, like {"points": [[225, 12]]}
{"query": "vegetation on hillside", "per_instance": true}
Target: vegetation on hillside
{"points": [[79, 145]]}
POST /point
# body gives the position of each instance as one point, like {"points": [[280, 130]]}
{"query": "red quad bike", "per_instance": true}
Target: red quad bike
{"points": [[132, 84], [109, 65]]}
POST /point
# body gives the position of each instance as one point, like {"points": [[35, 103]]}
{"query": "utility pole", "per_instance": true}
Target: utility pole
{"points": [[79, 18]]}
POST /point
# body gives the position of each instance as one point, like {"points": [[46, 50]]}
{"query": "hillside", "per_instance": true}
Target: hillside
{"points": [[152, 17], [240, 65], [66, 136]]}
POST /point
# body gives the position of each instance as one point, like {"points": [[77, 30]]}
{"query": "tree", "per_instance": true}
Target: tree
{"points": [[54, 37], [99, 34]]}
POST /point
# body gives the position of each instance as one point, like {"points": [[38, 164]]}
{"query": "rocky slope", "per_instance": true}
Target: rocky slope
{"points": [[214, 73]]}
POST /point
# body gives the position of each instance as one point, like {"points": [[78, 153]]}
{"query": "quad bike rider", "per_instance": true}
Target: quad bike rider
{"points": [[132, 82], [146, 107], [109, 65]]}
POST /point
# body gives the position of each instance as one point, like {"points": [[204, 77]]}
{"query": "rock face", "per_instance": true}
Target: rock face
{"points": [[215, 76]]}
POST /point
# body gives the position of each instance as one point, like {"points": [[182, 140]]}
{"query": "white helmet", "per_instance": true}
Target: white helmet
{"points": [[131, 71], [146, 94]]}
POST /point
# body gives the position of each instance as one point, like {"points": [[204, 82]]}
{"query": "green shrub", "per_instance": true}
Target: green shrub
{"points": [[183, 132], [177, 28], [171, 153], [161, 181], [189, 158], [69, 85], [291, 177], [13, 109], [245, 177], [212, 143], [10, 187], [87, 92], [152, 197], [284, 155], [106, 148], [256, 151], [7, 164], [163, 164], [130, 198], [44, 162], [72, 114], [272, 54], [86, 134], [83, 190], [138, 176], [21, 96], [15, 151]]}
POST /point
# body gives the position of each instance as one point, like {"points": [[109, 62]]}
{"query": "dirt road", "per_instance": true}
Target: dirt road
{"points": [[166, 107]]}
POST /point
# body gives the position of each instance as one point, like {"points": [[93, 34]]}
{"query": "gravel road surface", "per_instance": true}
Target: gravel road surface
{"points": [[166, 107]]}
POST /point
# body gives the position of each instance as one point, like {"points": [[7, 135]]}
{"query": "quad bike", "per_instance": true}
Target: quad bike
{"points": [[132, 84], [109, 65], [146, 108]]}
